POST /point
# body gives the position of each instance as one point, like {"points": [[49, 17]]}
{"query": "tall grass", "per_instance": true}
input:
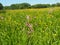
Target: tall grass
{"points": [[30, 27]]}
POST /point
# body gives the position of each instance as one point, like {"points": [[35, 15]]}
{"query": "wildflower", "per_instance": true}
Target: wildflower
{"points": [[30, 27], [1, 17], [50, 11], [27, 17]]}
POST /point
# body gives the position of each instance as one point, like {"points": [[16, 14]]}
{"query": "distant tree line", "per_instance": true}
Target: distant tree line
{"points": [[1, 6], [28, 6]]}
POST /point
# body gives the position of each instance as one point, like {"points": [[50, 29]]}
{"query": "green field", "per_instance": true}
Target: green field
{"points": [[30, 27]]}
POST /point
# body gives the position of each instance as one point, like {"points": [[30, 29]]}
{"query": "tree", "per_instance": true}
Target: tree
{"points": [[1, 6], [14, 6], [25, 5], [40, 6], [58, 4], [20, 6], [6, 7], [53, 5]]}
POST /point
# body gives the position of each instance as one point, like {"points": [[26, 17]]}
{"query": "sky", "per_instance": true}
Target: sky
{"points": [[9, 2]]}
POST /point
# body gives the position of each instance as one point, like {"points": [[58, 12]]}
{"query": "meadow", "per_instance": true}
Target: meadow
{"points": [[30, 27]]}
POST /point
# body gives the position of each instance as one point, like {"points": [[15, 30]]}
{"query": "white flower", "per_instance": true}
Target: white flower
{"points": [[1, 17], [27, 17]]}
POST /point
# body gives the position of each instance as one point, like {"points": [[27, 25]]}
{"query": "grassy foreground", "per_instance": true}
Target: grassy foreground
{"points": [[30, 27]]}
